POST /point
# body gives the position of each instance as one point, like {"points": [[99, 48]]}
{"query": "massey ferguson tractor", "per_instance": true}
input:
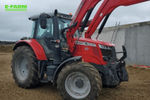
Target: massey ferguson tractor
{"points": [[58, 53]]}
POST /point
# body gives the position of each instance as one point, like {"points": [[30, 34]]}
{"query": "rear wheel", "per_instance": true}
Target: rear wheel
{"points": [[24, 67], [79, 81]]}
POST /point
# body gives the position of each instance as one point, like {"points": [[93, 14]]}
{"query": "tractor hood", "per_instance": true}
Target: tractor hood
{"points": [[95, 41]]}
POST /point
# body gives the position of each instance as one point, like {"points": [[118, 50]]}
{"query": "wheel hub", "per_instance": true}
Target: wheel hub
{"points": [[77, 85]]}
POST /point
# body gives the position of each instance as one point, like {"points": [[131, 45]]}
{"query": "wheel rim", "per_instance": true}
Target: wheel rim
{"points": [[21, 68], [77, 85]]}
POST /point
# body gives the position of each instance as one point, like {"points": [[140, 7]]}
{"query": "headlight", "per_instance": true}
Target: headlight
{"points": [[104, 47]]}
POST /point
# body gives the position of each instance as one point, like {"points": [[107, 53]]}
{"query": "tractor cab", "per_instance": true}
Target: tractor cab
{"points": [[47, 30]]}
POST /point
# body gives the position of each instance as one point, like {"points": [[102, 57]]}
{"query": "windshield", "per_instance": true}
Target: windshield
{"points": [[63, 23]]}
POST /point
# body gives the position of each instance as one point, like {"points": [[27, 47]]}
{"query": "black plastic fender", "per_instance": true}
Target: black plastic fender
{"points": [[58, 69]]}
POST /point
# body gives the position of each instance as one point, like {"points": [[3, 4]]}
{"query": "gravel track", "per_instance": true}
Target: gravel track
{"points": [[138, 87]]}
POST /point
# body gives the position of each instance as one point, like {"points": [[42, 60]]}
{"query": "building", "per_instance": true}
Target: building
{"points": [[135, 37]]}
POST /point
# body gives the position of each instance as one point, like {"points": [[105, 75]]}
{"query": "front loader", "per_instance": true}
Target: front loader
{"points": [[57, 52]]}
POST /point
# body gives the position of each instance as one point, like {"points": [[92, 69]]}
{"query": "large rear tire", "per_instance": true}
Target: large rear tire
{"points": [[24, 67], [79, 81]]}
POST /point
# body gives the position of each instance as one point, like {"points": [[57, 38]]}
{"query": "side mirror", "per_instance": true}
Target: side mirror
{"points": [[43, 20]]}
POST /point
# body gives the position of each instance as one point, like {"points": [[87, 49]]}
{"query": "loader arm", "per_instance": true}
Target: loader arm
{"points": [[106, 8], [83, 14]]}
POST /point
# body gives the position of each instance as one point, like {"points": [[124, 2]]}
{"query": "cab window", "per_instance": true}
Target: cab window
{"points": [[48, 32], [33, 29]]}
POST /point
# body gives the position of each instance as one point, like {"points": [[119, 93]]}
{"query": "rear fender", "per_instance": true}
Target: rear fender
{"points": [[35, 46]]}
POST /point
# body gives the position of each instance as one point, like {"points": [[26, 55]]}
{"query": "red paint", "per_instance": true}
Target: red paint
{"points": [[37, 48], [84, 6], [95, 41], [89, 53]]}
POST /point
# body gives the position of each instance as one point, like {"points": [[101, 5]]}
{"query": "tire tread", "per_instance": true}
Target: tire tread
{"points": [[86, 67], [33, 79]]}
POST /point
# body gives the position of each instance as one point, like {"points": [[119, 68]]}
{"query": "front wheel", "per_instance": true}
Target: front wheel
{"points": [[79, 81]]}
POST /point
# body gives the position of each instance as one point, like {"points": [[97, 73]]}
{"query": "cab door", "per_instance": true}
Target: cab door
{"points": [[47, 38]]}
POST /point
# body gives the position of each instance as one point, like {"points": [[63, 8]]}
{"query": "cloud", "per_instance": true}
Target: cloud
{"points": [[14, 25]]}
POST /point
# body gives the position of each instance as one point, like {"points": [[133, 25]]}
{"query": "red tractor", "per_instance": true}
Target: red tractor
{"points": [[57, 53]]}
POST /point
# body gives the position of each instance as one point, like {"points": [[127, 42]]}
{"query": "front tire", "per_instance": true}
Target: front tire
{"points": [[24, 67], [79, 81]]}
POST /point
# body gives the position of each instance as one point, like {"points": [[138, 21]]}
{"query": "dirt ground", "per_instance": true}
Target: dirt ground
{"points": [[138, 87]]}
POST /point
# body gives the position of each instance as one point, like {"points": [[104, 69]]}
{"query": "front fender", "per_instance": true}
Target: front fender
{"points": [[35, 46], [60, 67]]}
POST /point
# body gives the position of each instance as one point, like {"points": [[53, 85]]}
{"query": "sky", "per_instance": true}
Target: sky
{"points": [[15, 24]]}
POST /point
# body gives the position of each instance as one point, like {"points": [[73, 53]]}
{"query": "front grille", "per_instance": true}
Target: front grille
{"points": [[107, 53]]}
